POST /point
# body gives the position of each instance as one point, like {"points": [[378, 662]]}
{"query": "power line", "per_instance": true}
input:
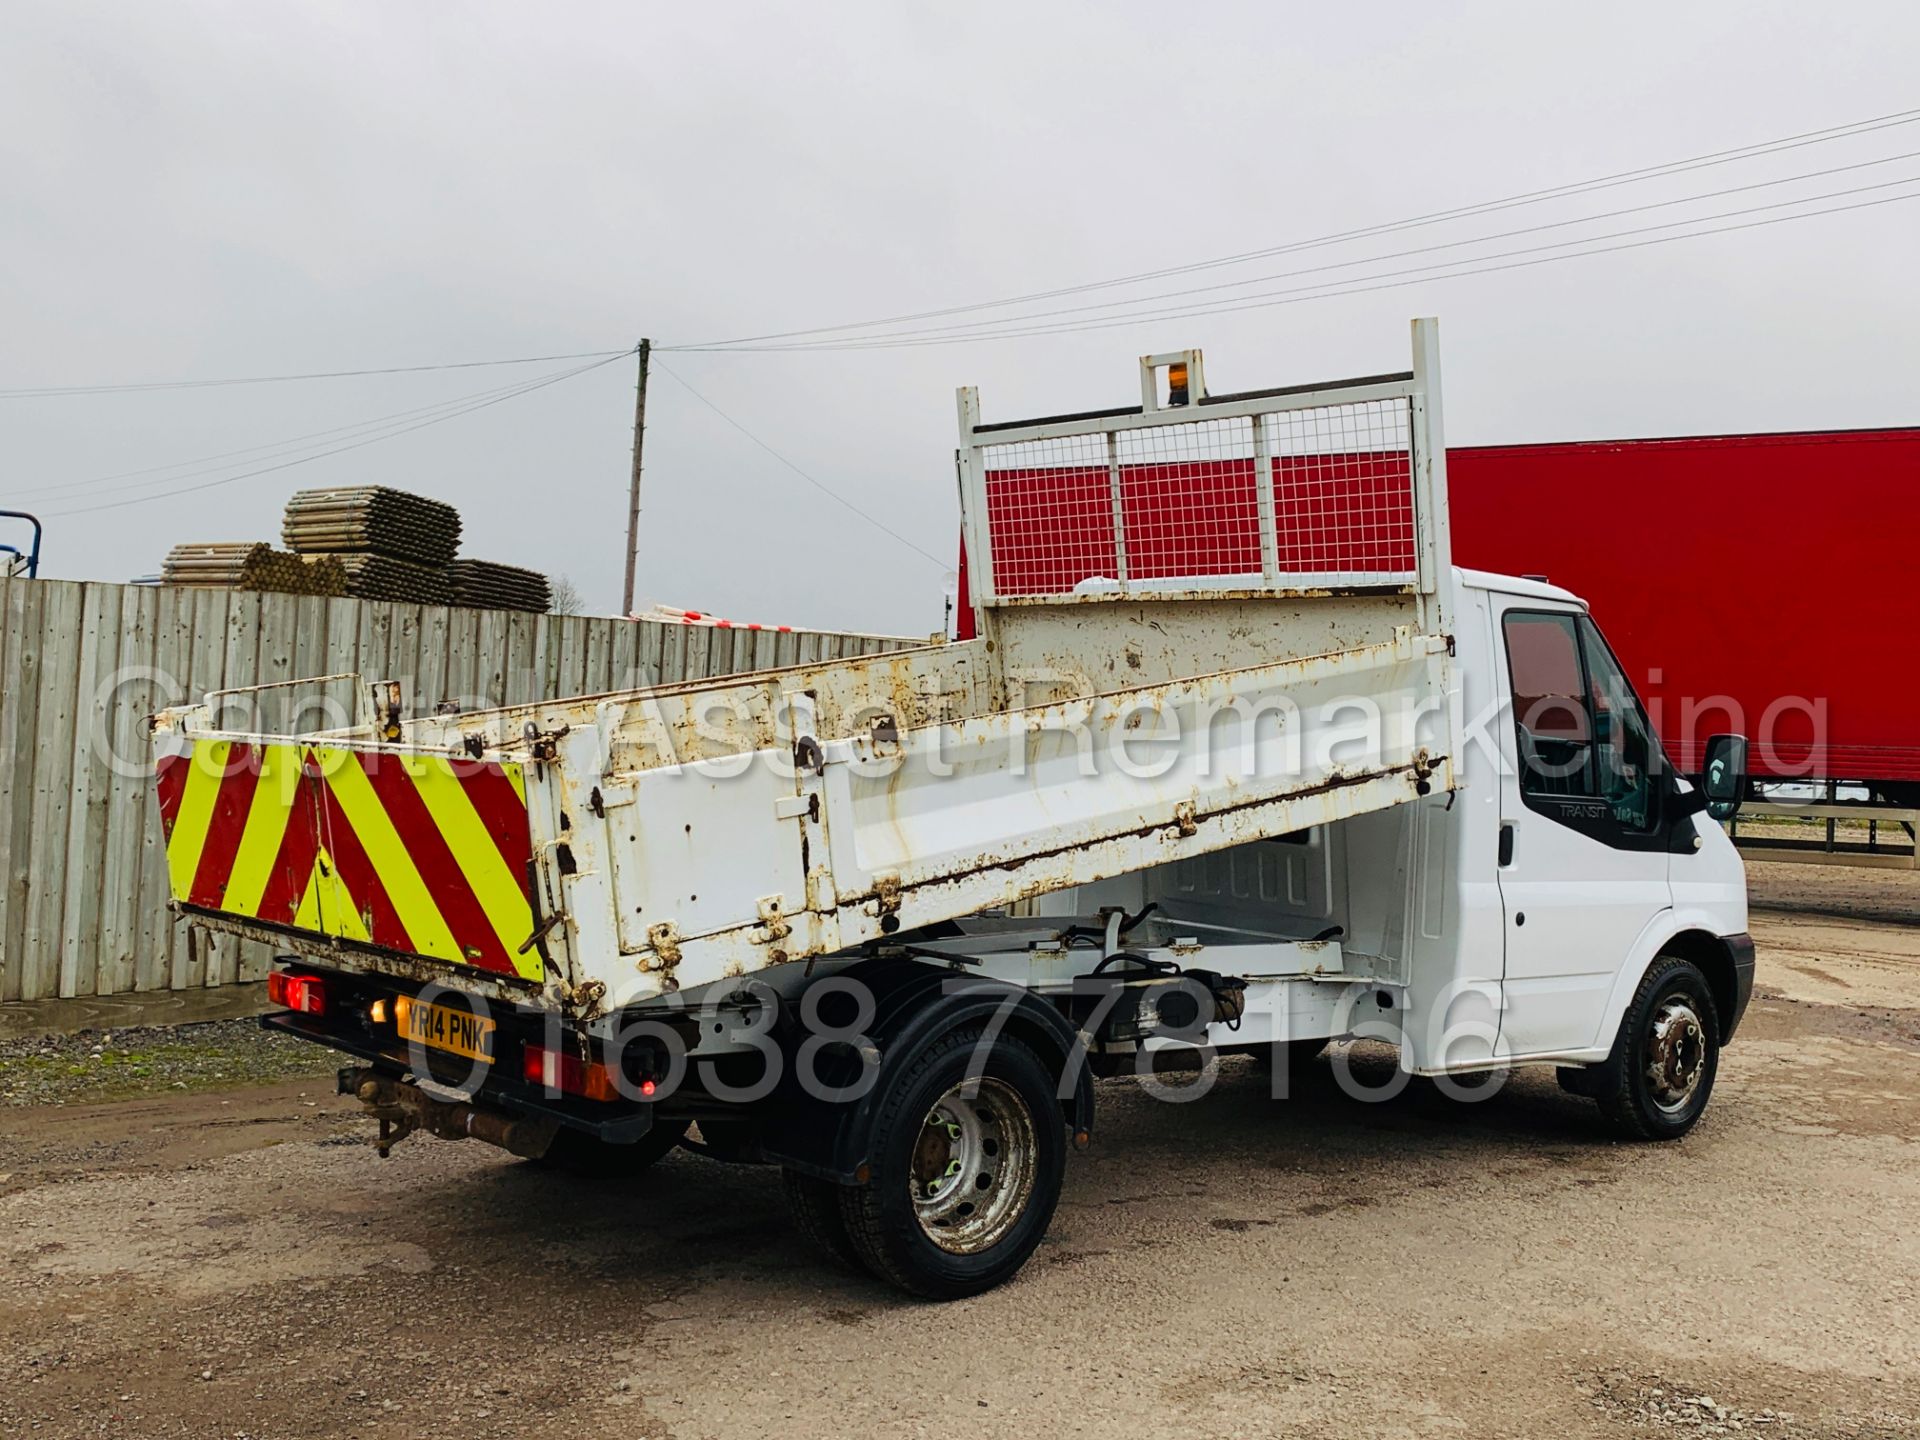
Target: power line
{"points": [[1034, 316], [271, 449], [1782, 144], [831, 494], [1624, 177], [1361, 285], [34, 392], [525, 389]]}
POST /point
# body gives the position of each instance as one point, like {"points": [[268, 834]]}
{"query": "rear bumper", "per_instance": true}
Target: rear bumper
{"points": [[1740, 947], [618, 1125]]}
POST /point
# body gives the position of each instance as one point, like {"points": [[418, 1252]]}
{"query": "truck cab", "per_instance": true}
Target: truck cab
{"points": [[1603, 857]]}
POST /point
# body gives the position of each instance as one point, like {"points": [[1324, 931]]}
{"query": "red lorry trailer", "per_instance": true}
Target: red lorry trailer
{"points": [[1753, 584], [1762, 584]]}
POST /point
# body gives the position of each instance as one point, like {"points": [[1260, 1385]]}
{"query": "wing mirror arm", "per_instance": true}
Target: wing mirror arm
{"points": [[1688, 802]]}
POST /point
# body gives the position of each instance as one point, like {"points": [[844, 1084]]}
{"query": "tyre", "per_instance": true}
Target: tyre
{"points": [[966, 1169], [578, 1153], [1656, 1082], [814, 1205]]}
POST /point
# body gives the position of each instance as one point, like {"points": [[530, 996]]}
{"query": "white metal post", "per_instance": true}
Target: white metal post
{"points": [[973, 502], [1432, 530], [1263, 502]]}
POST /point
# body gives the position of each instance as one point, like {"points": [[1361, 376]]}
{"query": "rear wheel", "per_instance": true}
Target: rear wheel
{"points": [[1656, 1083], [578, 1153], [966, 1169]]}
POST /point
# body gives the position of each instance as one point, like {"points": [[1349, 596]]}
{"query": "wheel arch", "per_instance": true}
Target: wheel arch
{"points": [[915, 1004], [1691, 936], [1714, 957]]}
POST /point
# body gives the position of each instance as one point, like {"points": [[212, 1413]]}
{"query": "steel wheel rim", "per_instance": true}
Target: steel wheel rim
{"points": [[973, 1166], [1676, 1054]]}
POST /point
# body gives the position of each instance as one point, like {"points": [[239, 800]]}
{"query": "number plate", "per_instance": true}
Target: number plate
{"points": [[444, 1028]]}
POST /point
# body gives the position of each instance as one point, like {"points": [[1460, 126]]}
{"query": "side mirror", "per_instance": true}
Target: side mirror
{"points": [[1725, 779]]}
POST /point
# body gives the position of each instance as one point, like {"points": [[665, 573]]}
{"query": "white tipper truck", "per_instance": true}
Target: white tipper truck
{"points": [[1238, 762]]}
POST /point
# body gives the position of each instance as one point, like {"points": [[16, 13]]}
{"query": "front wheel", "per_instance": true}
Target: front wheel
{"points": [[968, 1155], [1656, 1083]]}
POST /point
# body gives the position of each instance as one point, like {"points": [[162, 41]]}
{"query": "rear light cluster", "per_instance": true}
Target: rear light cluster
{"points": [[304, 993], [566, 1072]]}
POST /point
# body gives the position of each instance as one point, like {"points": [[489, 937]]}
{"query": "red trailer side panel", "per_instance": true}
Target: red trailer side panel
{"points": [[1765, 583]]}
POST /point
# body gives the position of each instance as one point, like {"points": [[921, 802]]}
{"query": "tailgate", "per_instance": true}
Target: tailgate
{"points": [[417, 853]]}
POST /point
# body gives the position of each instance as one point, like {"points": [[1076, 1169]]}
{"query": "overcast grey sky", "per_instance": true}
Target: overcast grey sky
{"points": [[202, 190]]}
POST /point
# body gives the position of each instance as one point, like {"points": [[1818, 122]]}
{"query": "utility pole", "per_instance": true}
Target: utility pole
{"points": [[633, 492]]}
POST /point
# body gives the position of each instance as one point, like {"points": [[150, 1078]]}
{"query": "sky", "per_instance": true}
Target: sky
{"points": [[203, 191]]}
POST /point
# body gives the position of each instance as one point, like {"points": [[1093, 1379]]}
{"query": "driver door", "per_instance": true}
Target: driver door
{"points": [[1583, 861]]}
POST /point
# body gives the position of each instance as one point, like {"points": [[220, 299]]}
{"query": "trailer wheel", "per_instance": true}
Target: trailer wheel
{"points": [[966, 1169], [578, 1153], [814, 1205], [1656, 1083]]}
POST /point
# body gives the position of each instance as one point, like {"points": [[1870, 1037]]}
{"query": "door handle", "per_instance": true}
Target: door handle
{"points": [[1506, 843]]}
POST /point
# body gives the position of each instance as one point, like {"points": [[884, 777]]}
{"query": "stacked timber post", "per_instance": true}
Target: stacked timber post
{"points": [[367, 542], [392, 545], [251, 565], [485, 585]]}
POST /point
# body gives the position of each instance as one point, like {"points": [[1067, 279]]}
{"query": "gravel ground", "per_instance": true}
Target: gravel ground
{"points": [[100, 1065], [236, 1262], [1837, 890]]}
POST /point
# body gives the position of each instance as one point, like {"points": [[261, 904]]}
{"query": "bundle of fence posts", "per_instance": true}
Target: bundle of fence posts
{"points": [[381, 577], [252, 565], [487, 585], [392, 545]]}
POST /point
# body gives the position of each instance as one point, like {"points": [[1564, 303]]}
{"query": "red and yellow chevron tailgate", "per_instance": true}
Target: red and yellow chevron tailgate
{"points": [[417, 853]]}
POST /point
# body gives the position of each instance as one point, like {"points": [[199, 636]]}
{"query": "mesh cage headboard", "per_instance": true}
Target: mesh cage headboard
{"points": [[1331, 487]]}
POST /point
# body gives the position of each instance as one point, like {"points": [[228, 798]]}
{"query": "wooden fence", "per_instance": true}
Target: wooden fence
{"points": [[83, 877]]}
